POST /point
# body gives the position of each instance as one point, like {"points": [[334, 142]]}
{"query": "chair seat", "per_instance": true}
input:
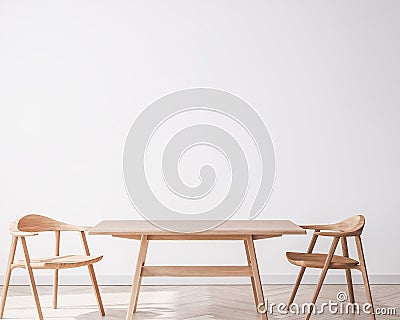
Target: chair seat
{"points": [[317, 260], [59, 262]]}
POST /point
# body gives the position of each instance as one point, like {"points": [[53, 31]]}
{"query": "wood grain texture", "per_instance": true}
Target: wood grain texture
{"points": [[197, 237], [55, 279], [229, 228], [92, 274], [257, 286], [137, 278], [35, 223], [31, 278], [196, 271], [7, 278], [59, 262], [317, 260], [345, 251]]}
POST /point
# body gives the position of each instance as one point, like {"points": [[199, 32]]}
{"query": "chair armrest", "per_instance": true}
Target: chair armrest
{"points": [[22, 233], [336, 234]]}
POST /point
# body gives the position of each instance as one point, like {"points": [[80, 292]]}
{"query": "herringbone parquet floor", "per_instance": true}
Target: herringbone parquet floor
{"points": [[186, 302]]}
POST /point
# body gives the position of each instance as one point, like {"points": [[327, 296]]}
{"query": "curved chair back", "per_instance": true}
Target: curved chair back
{"points": [[351, 226], [354, 224], [39, 223]]}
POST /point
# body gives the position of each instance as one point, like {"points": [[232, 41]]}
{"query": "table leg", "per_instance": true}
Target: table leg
{"points": [[256, 280], [137, 279], [251, 278]]}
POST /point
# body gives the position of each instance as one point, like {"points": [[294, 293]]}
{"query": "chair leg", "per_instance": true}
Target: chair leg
{"points": [[55, 279], [31, 278], [323, 274], [363, 268], [345, 251], [55, 288], [8, 275], [302, 270], [93, 276], [96, 289], [296, 286]]}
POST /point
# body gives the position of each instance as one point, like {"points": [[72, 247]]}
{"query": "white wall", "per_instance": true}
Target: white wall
{"points": [[324, 75]]}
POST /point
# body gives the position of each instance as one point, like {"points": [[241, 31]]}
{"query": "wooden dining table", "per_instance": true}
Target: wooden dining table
{"points": [[243, 230]]}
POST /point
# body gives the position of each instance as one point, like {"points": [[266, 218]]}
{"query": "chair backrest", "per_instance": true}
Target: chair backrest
{"points": [[354, 224], [39, 223]]}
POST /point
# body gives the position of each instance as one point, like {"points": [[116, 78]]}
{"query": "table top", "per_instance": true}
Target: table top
{"points": [[228, 228]]}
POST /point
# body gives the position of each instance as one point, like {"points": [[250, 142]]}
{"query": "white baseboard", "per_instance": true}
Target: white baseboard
{"points": [[106, 280]]}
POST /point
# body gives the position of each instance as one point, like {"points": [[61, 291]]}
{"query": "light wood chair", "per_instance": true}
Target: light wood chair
{"points": [[351, 227], [31, 225]]}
